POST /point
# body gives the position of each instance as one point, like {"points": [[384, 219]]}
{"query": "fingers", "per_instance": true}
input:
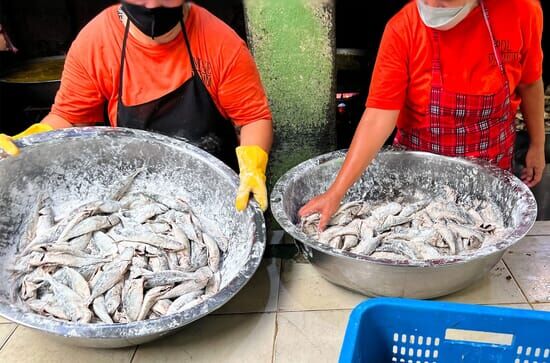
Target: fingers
{"points": [[531, 176], [33, 129], [310, 208], [8, 146], [243, 195], [325, 218], [255, 186], [318, 205], [534, 166], [537, 177], [527, 174], [260, 194]]}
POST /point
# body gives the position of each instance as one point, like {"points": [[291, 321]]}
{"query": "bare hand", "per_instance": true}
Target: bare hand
{"points": [[325, 204], [534, 166], [3, 43]]}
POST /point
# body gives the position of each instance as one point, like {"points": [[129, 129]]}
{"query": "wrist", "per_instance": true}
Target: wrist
{"points": [[336, 192], [252, 158], [537, 145]]}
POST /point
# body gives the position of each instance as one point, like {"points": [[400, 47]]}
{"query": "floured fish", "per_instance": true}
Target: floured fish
{"points": [[423, 229], [129, 257]]}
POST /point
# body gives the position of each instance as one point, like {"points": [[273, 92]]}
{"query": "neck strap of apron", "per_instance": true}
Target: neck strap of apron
{"points": [[123, 55], [437, 78], [496, 52]]}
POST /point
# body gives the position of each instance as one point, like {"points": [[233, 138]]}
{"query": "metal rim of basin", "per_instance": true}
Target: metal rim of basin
{"points": [[527, 221], [166, 324]]}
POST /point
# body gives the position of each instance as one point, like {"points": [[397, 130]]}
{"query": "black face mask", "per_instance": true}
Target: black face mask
{"points": [[153, 22]]}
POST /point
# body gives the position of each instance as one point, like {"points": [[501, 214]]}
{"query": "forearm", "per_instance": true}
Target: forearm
{"points": [[258, 133], [374, 129], [56, 121], [532, 108]]}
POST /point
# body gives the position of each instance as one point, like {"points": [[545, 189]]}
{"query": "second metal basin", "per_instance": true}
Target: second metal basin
{"points": [[392, 172]]}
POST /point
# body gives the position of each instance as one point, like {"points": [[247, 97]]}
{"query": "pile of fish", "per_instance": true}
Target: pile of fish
{"points": [[125, 258], [424, 229]]}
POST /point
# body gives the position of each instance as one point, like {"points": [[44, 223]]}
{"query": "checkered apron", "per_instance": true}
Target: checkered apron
{"points": [[465, 125]]}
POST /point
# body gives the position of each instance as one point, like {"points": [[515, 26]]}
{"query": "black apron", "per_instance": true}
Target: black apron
{"points": [[187, 113]]}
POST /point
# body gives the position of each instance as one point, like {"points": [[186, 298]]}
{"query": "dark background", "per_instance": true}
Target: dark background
{"points": [[42, 28]]}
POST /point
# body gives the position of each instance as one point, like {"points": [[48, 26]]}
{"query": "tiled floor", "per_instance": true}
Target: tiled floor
{"points": [[310, 336], [530, 261], [497, 288], [260, 295], [26, 345], [225, 338], [302, 289], [288, 313]]}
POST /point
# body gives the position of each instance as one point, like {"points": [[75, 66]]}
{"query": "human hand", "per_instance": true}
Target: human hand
{"points": [[7, 142], [534, 165], [325, 204]]}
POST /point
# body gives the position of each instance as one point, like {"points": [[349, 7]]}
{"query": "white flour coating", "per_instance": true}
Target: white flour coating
{"points": [[77, 187], [394, 185], [388, 256], [397, 173], [413, 225], [74, 166]]}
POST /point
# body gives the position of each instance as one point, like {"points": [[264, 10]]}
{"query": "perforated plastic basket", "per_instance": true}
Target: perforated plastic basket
{"points": [[410, 331]]}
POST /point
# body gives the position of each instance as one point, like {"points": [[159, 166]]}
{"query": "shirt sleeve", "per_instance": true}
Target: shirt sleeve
{"points": [[79, 100], [240, 93], [388, 88], [531, 54]]}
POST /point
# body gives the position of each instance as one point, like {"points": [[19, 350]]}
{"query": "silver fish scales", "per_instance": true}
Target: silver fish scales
{"points": [[128, 257], [415, 228]]}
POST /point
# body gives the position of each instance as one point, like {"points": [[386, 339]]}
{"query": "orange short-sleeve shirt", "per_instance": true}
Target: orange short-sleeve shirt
{"points": [[402, 74], [91, 73]]}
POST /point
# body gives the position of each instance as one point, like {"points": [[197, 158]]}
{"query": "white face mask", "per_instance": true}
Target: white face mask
{"points": [[443, 18]]}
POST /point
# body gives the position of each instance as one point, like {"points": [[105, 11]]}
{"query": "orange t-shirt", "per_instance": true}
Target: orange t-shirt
{"points": [[91, 73], [403, 71]]}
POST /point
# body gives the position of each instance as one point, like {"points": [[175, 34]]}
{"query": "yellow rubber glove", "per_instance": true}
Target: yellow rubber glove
{"points": [[252, 166], [7, 144]]}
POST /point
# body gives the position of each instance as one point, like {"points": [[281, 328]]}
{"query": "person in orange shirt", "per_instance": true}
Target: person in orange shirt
{"points": [[171, 67], [450, 75]]}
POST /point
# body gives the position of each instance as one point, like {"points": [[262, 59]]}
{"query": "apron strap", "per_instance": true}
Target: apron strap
{"points": [[122, 60], [188, 45], [123, 55], [437, 78], [498, 58], [496, 52]]}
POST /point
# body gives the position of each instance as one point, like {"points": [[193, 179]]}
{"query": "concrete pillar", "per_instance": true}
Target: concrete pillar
{"points": [[293, 43]]}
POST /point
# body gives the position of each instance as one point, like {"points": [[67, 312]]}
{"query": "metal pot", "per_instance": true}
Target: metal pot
{"points": [[18, 96], [36, 92], [390, 173]]}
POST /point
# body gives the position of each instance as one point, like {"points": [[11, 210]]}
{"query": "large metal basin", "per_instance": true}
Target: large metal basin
{"points": [[392, 172], [79, 164]]}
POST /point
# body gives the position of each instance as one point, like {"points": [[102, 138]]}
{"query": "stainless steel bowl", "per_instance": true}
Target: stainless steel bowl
{"points": [[391, 173], [80, 164]]}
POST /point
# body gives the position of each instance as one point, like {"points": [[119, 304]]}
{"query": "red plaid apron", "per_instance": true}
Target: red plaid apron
{"points": [[465, 125]]}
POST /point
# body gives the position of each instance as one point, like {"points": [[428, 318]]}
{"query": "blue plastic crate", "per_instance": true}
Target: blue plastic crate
{"points": [[410, 331]]}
